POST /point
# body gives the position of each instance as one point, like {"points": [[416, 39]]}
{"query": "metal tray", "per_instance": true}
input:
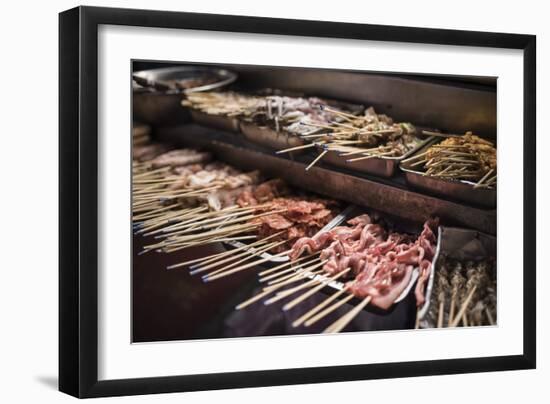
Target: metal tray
{"points": [[380, 166], [458, 243], [230, 124], [279, 140], [337, 285], [456, 189], [270, 138], [333, 223]]}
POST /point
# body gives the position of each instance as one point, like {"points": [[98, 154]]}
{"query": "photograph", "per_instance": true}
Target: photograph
{"points": [[270, 201]]}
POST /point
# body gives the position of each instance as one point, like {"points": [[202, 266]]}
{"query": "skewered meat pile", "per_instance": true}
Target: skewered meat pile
{"points": [[177, 183], [180, 157], [371, 134], [149, 151], [454, 281], [467, 157], [301, 215], [295, 115], [229, 104], [381, 262]]}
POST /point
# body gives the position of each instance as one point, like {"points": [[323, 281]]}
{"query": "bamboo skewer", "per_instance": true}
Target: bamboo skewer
{"points": [[209, 225], [480, 182], [314, 264], [328, 310], [415, 157], [309, 293], [279, 273], [221, 239], [249, 256], [370, 156], [440, 314], [188, 238], [319, 157], [489, 316], [452, 309], [271, 270], [263, 293], [297, 276], [296, 148], [317, 308], [286, 293], [217, 262], [343, 321], [438, 134], [463, 308], [242, 268], [300, 269]]}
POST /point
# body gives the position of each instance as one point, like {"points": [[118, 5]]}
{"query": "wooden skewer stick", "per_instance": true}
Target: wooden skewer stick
{"points": [[221, 239], [297, 276], [484, 178], [317, 308], [167, 219], [286, 293], [305, 146], [265, 292], [319, 157], [440, 313], [217, 262], [200, 226], [310, 292], [242, 268], [285, 271], [439, 134], [463, 308], [188, 237], [250, 255], [153, 213], [247, 254], [343, 321], [201, 238], [341, 113], [271, 270], [370, 156], [253, 299], [149, 173], [328, 310], [415, 157], [359, 150], [211, 258], [301, 268], [489, 316], [207, 218], [452, 309]]}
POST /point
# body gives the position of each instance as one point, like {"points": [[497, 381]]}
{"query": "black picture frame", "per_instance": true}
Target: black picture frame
{"points": [[78, 206]]}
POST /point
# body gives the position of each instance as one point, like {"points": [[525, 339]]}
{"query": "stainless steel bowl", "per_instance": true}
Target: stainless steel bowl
{"points": [[156, 98]]}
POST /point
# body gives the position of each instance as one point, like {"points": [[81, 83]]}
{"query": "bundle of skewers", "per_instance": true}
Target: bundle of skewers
{"points": [[293, 115], [459, 157], [360, 137], [464, 294], [378, 266], [296, 116], [229, 104], [184, 199]]}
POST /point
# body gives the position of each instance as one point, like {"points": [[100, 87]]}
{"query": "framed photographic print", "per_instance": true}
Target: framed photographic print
{"points": [[251, 201]]}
